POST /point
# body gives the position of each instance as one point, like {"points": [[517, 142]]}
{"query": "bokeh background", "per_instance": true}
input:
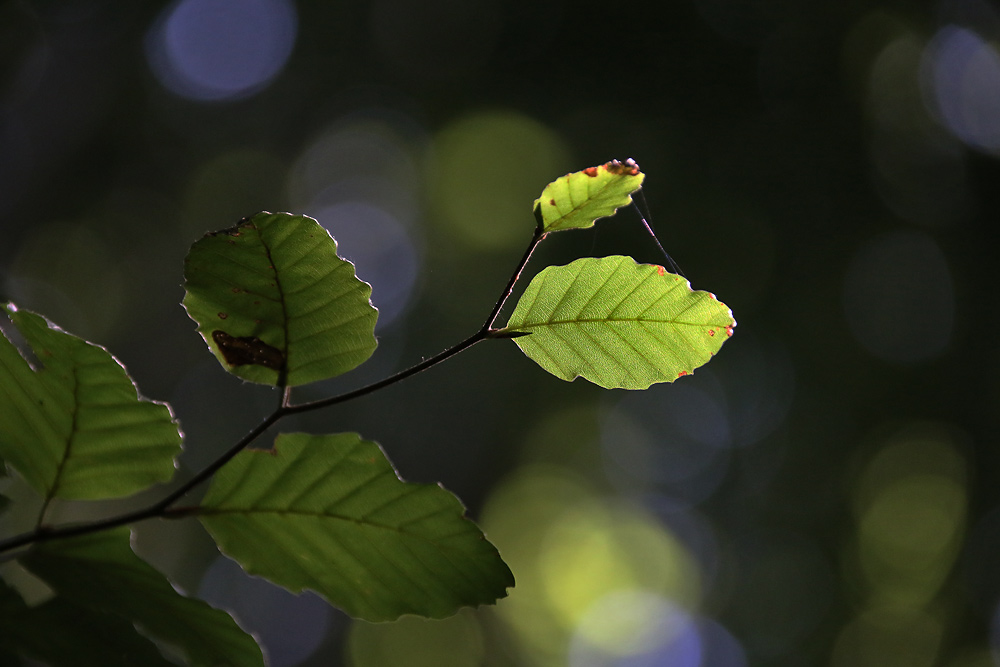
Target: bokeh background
{"points": [[823, 493]]}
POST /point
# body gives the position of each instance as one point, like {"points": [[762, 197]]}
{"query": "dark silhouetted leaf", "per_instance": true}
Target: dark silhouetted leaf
{"points": [[101, 572]]}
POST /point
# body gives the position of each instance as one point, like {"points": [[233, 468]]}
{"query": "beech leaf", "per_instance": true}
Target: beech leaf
{"points": [[577, 200], [73, 424], [617, 323], [329, 513], [275, 302]]}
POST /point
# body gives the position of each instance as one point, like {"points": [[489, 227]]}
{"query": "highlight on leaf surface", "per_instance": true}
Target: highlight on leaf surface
{"points": [[74, 426], [577, 200], [329, 513], [100, 574], [618, 323], [275, 302]]}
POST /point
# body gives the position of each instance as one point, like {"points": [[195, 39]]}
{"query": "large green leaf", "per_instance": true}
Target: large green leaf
{"points": [[63, 634], [328, 513], [617, 323], [275, 303], [101, 572], [577, 200], [74, 427]]}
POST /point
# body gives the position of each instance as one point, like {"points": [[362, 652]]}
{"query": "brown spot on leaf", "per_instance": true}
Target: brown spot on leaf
{"points": [[248, 350], [552, 202], [591, 171], [627, 168], [711, 332], [223, 316]]}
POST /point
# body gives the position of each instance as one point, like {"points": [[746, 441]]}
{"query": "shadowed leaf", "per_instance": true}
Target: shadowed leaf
{"points": [[101, 572], [617, 323], [74, 427], [328, 513], [63, 634]]}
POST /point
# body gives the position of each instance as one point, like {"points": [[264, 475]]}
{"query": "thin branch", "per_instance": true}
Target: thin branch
{"points": [[285, 407]]}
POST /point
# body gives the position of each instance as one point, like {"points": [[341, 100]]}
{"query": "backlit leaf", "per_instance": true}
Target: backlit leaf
{"points": [[101, 572], [328, 513], [617, 323], [275, 303], [577, 200], [74, 426]]}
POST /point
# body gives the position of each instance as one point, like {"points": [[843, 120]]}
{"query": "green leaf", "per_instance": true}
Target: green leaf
{"points": [[577, 200], [617, 323], [63, 634], [275, 303], [101, 572], [75, 427], [329, 513]]}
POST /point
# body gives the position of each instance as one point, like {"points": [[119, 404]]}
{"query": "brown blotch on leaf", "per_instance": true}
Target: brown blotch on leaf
{"points": [[248, 350], [626, 168], [223, 316]]}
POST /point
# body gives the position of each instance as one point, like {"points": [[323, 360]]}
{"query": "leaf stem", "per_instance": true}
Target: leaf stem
{"points": [[285, 407]]}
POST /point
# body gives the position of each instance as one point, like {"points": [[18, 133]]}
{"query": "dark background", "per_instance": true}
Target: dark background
{"points": [[822, 493]]}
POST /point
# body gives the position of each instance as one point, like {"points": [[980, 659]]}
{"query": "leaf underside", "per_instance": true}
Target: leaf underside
{"points": [[577, 200], [75, 427], [328, 513], [101, 573], [617, 323], [275, 303]]}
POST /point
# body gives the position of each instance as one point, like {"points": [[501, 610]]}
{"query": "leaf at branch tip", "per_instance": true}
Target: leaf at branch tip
{"points": [[329, 513], [75, 426], [577, 200], [100, 572], [618, 324], [275, 303]]}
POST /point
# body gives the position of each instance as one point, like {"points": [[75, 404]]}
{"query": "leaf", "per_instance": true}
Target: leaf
{"points": [[100, 571], [75, 427], [328, 513], [617, 323], [577, 200], [275, 303], [63, 634]]}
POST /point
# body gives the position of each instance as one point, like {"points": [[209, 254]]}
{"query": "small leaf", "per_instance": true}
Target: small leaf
{"points": [[63, 634], [328, 513], [275, 303], [617, 323], [577, 200], [75, 426], [101, 572]]}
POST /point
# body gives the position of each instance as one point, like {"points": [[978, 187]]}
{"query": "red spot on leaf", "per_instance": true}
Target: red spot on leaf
{"points": [[660, 269], [712, 296], [682, 374], [590, 171], [729, 330], [711, 332]]}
